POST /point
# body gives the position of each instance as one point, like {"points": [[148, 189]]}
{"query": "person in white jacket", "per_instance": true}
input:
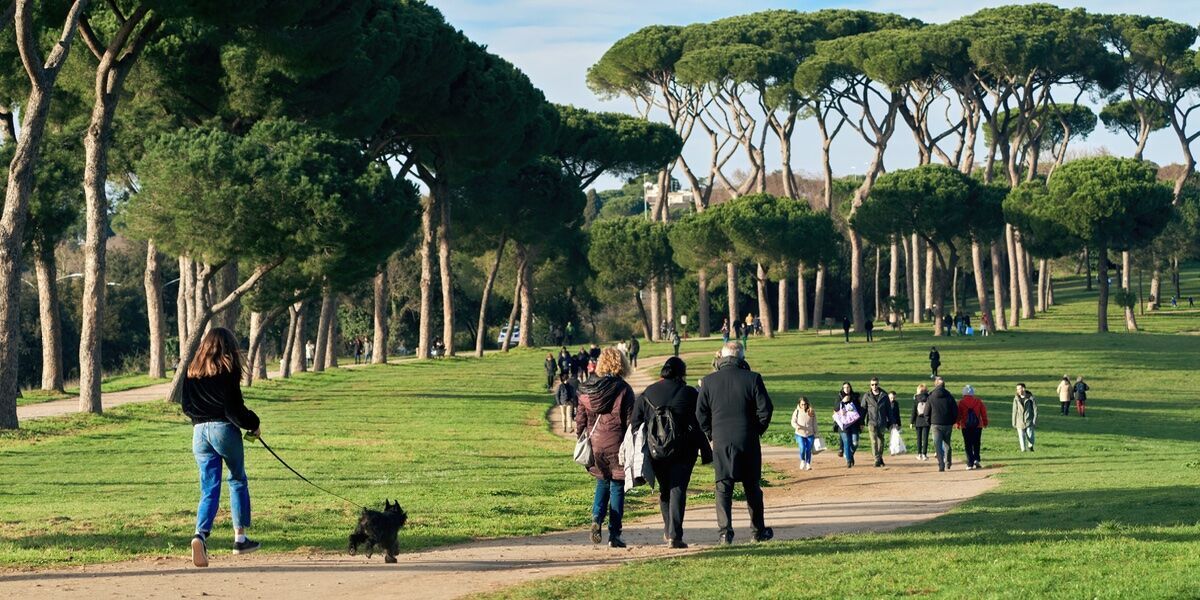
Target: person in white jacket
{"points": [[804, 421]]}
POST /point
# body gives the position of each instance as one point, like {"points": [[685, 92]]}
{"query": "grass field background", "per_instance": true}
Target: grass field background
{"points": [[1108, 506]]}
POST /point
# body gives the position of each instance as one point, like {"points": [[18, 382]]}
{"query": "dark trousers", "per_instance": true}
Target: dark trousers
{"points": [[869, 338], [1066, 407], [754, 501], [941, 443], [923, 441], [633, 359], [877, 442], [971, 439], [673, 478], [847, 332]]}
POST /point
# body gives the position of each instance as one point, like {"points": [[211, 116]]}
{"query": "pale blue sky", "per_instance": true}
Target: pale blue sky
{"points": [[555, 41]]}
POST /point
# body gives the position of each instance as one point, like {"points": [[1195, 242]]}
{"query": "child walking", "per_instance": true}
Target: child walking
{"points": [[804, 421]]}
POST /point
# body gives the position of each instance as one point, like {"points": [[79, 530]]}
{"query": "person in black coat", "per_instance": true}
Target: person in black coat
{"points": [[635, 348], [551, 366], [847, 404], [943, 414], [734, 410], [935, 361], [846, 328], [879, 418], [674, 472], [920, 421], [212, 398]]}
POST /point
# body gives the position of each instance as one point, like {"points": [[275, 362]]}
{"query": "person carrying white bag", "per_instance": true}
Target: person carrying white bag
{"points": [[895, 439]]}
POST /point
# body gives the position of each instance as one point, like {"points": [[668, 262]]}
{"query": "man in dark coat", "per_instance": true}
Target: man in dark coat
{"points": [[943, 414], [846, 327], [733, 411], [879, 417], [634, 349]]}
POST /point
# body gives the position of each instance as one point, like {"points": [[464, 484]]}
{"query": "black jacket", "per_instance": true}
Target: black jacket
{"points": [[1081, 389], [565, 395], [217, 398], [920, 420], [733, 410], [894, 420], [943, 410], [879, 409], [935, 358], [634, 347], [680, 399], [551, 365]]}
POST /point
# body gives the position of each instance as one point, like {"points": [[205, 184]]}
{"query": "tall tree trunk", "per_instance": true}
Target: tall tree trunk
{"points": [[1155, 283], [224, 283], [818, 297], [323, 319], [646, 329], [425, 319], [42, 75], [446, 272], [1087, 261], [858, 314], [998, 319], [764, 302], [1175, 276], [331, 337], [114, 66], [702, 302], [782, 308], [1050, 286], [516, 301], [1041, 285], [1014, 293], [878, 299], [655, 310], [47, 284], [981, 293], [300, 341], [379, 342], [1102, 283], [801, 299], [155, 315], [731, 292], [289, 343], [930, 274], [526, 303], [1126, 286], [954, 291], [937, 286], [481, 328], [893, 278], [254, 349], [183, 295], [1023, 277], [669, 301], [914, 278]]}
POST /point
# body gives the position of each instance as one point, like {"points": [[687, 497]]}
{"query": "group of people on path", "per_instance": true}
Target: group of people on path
{"points": [[660, 434]]}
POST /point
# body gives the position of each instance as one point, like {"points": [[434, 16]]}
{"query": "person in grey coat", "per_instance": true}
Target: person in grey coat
{"points": [[1024, 416], [734, 410]]}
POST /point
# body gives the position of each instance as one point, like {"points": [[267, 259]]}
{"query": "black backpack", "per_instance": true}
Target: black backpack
{"points": [[662, 436], [972, 419]]}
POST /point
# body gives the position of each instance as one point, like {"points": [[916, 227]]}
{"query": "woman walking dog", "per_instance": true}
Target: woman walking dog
{"points": [[212, 397]]}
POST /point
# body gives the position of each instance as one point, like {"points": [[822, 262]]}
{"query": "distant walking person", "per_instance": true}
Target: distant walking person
{"points": [[895, 435], [943, 413], [212, 397], [566, 398], [605, 405], [309, 349], [1065, 392], [848, 416], [725, 332], [869, 326], [972, 419], [879, 418], [672, 398], [734, 410], [920, 421], [568, 333], [846, 328], [804, 422], [935, 362], [634, 349], [1024, 416], [1081, 390], [675, 341], [550, 364]]}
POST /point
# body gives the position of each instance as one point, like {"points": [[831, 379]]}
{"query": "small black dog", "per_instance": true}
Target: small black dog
{"points": [[378, 530]]}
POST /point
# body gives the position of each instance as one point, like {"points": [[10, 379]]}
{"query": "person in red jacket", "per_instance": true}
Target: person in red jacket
{"points": [[972, 418]]}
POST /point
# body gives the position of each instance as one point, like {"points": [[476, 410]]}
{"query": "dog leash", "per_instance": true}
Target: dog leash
{"points": [[303, 478]]}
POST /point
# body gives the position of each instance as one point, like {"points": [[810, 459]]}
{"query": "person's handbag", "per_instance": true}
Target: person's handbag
{"points": [[583, 447], [818, 445]]}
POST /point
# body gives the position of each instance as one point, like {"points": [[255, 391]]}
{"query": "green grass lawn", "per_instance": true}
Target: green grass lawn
{"points": [[1108, 506], [109, 385], [460, 443]]}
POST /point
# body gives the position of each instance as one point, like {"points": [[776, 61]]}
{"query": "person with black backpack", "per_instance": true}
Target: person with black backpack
{"points": [[972, 419], [668, 409]]}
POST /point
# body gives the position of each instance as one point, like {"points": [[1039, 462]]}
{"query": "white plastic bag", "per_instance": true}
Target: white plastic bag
{"points": [[896, 443], [818, 445]]}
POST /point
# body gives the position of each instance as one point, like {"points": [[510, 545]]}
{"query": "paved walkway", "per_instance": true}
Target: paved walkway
{"points": [[829, 499]]}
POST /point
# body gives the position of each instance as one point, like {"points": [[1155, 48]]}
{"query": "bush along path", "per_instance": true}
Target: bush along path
{"points": [[800, 504]]}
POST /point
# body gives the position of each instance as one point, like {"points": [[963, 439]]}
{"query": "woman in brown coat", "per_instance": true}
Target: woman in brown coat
{"points": [[605, 406]]}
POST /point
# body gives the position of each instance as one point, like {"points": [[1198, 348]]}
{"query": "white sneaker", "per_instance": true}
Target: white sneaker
{"points": [[808, 466]]}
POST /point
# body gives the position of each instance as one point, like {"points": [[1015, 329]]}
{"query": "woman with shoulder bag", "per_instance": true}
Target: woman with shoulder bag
{"points": [[605, 405], [920, 421]]}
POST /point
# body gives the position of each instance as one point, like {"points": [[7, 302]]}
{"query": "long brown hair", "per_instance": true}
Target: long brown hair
{"points": [[218, 353]]}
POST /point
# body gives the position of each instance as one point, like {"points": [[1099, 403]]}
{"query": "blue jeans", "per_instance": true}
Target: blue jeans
{"points": [[610, 492], [849, 445], [1025, 437], [212, 443], [806, 446]]}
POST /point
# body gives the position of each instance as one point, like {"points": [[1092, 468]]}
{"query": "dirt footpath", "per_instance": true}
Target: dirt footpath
{"points": [[829, 499]]}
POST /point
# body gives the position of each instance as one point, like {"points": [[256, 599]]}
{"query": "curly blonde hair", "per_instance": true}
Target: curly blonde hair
{"points": [[611, 362]]}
